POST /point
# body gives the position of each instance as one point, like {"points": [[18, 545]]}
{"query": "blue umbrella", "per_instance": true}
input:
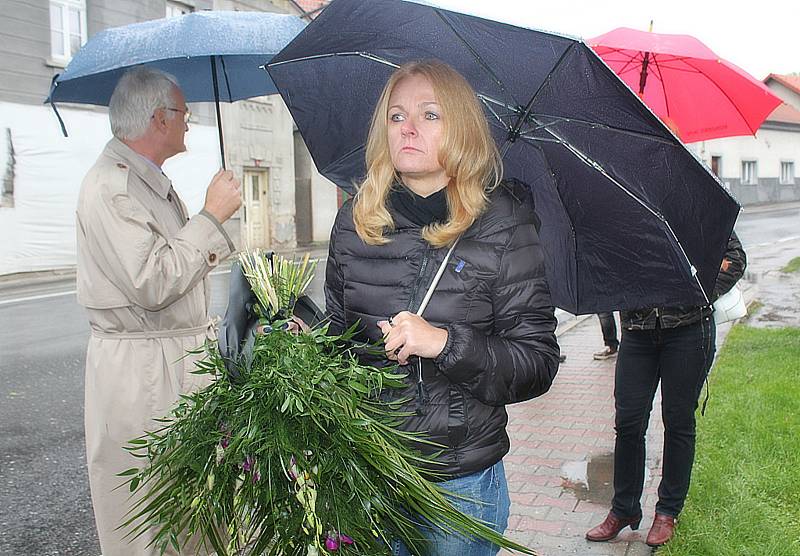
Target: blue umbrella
{"points": [[214, 55], [630, 218]]}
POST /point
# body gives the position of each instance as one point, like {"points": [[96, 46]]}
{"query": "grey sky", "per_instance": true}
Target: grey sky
{"points": [[760, 37]]}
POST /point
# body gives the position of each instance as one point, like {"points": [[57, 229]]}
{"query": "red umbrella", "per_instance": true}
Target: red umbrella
{"points": [[685, 83]]}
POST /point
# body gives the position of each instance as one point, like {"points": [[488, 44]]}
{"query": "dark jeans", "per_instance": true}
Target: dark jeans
{"points": [[680, 358], [609, 327]]}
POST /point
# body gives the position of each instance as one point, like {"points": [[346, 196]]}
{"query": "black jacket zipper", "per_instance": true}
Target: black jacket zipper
{"points": [[422, 393]]}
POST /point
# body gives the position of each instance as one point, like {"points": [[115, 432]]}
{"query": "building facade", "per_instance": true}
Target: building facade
{"points": [[762, 168], [41, 170]]}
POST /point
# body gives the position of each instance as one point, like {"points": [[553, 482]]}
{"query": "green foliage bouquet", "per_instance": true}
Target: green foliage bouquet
{"points": [[297, 456]]}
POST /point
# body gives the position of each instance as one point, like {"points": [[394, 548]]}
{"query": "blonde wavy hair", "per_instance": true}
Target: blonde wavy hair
{"points": [[467, 154]]}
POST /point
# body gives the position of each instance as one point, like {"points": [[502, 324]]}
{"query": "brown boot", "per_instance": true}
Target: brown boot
{"points": [[611, 527], [662, 530]]}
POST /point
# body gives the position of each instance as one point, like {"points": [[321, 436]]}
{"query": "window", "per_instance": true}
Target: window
{"points": [[67, 28], [716, 165], [749, 172], [174, 9], [787, 172]]}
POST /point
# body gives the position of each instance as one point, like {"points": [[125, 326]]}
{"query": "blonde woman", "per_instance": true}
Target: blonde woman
{"points": [[487, 335]]}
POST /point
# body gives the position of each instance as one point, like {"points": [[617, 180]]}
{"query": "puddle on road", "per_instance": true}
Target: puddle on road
{"points": [[591, 480]]}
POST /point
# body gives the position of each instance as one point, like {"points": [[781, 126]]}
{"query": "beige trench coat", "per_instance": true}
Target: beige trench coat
{"points": [[142, 276]]}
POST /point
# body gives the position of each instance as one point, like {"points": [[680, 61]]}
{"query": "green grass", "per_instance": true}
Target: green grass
{"points": [[792, 266], [745, 493]]}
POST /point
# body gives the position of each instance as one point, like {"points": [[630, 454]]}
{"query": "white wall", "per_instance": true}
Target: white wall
{"points": [[323, 198], [769, 147], [788, 95], [38, 233]]}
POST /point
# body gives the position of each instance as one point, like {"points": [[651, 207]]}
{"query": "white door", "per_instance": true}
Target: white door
{"points": [[256, 208]]}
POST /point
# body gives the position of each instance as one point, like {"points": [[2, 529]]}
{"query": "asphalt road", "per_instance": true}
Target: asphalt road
{"points": [[45, 507]]}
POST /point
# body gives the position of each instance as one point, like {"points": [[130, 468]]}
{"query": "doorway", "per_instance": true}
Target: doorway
{"points": [[256, 208]]}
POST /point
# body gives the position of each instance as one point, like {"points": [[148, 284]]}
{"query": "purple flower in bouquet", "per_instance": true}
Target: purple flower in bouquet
{"points": [[249, 461], [226, 439], [332, 542], [293, 472]]}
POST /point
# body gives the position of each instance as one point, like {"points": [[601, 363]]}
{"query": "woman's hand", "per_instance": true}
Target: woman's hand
{"points": [[295, 325], [407, 334]]}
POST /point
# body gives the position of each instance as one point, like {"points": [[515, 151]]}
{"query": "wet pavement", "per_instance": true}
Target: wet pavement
{"points": [[779, 300], [590, 480]]}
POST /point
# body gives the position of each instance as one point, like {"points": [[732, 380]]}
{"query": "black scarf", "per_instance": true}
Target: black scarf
{"points": [[422, 211]]}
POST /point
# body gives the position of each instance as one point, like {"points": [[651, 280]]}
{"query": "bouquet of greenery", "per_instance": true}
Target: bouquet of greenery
{"points": [[296, 456]]}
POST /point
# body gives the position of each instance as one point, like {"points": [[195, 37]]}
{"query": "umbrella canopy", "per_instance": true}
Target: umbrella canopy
{"points": [[215, 56], [630, 218], [680, 78], [182, 46]]}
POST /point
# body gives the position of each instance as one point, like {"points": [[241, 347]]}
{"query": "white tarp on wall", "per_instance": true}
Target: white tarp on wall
{"points": [[38, 232]]}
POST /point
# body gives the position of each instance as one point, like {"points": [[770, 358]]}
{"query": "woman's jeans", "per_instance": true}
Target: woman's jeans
{"points": [[680, 358], [488, 500]]}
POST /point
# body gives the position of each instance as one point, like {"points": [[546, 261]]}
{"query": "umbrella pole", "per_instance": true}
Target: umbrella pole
{"points": [[216, 103], [643, 75]]}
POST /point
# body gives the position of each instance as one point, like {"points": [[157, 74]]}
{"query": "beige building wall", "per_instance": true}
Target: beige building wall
{"points": [[300, 205], [258, 135]]}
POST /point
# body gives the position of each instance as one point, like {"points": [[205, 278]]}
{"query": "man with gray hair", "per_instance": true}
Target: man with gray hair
{"points": [[142, 276]]}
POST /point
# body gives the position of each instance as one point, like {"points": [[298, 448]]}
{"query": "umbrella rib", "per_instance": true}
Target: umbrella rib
{"points": [[489, 107], [589, 161], [663, 85], [558, 119], [472, 51], [227, 82], [366, 55], [597, 167], [526, 112], [631, 62], [721, 90], [571, 227], [487, 101], [691, 266], [533, 139]]}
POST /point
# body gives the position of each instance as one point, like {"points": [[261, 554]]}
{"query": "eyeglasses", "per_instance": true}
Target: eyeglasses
{"points": [[186, 113]]}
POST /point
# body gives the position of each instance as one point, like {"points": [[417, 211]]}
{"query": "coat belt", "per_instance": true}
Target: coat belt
{"points": [[154, 334]]}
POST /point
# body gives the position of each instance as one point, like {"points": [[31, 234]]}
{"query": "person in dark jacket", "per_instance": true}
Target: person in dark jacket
{"points": [[487, 337], [673, 345]]}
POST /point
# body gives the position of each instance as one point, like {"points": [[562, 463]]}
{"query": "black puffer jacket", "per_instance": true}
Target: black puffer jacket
{"points": [[495, 303], [682, 315]]}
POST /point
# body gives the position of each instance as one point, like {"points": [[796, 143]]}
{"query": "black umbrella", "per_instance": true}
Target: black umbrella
{"points": [[630, 218]]}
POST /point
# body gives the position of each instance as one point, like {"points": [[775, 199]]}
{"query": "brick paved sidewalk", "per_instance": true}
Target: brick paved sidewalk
{"points": [[560, 465]]}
